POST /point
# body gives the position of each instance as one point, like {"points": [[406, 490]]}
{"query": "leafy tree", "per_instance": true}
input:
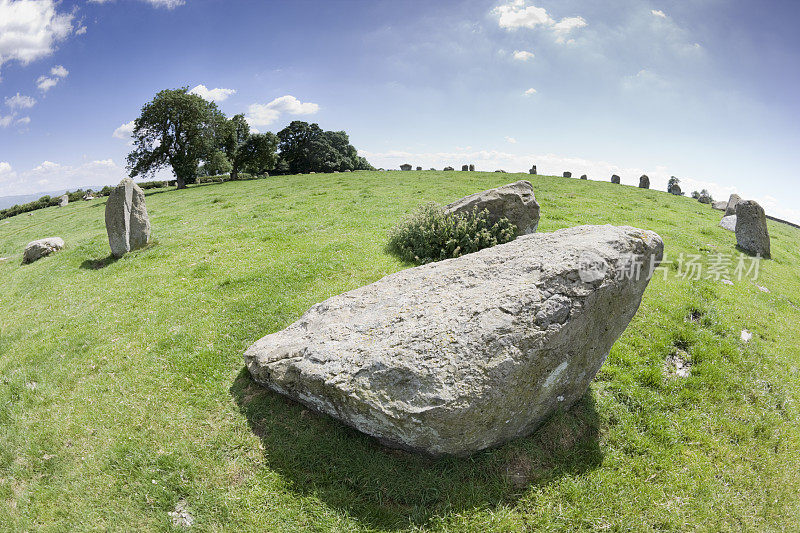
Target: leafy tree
{"points": [[306, 147], [695, 195], [176, 129], [217, 164], [258, 153], [236, 132]]}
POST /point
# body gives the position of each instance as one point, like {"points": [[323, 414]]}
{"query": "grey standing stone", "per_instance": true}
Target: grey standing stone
{"points": [[728, 223], [752, 234], [733, 201], [514, 201], [472, 168], [584, 177], [567, 174], [64, 201], [532, 170], [675, 189], [37, 249], [448, 169], [644, 182], [464, 354], [615, 179], [127, 222], [464, 168], [705, 199]]}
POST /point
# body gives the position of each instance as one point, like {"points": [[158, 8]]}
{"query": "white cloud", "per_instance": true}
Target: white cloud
{"points": [[523, 55], [124, 131], [20, 101], [81, 30], [511, 140], [30, 29], [516, 14], [50, 176], [530, 92], [6, 120], [169, 4], [45, 84], [23, 120], [659, 13], [266, 114], [212, 95], [59, 71]]}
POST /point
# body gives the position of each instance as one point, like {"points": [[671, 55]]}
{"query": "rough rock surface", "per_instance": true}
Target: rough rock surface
{"points": [[615, 179], [751, 228], [532, 170], [38, 249], [468, 353], [705, 199], [722, 205], [728, 223], [514, 201], [63, 201], [675, 189], [644, 182], [584, 177], [567, 174], [733, 201], [127, 223]]}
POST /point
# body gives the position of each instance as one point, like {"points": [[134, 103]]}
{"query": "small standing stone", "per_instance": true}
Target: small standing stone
{"points": [[584, 177], [733, 201], [64, 201], [464, 168], [472, 168], [405, 167], [532, 170], [751, 228], [419, 168], [448, 169], [567, 174], [675, 189], [615, 179], [644, 182], [127, 222]]}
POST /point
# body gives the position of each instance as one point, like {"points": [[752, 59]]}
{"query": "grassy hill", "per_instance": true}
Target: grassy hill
{"points": [[123, 389]]}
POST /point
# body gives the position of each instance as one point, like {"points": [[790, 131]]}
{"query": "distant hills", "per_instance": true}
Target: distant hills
{"points": [[8, 201]]}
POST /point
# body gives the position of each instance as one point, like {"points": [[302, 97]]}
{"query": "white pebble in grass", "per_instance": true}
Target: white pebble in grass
{"points": [[746, 336], [727, 282], [181, 516]]}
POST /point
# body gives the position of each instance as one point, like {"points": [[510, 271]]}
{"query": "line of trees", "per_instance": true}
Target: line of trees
{"points": [[192, 137]]}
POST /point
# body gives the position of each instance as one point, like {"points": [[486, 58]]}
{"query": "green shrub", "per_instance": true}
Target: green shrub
{"points": [[431, 234]]}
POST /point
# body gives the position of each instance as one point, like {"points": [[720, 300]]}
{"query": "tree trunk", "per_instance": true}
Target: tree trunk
{"points": [[181, 183]]}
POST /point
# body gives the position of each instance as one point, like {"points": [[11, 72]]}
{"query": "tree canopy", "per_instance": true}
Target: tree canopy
{"points": [[176, 129], [306, 148]]}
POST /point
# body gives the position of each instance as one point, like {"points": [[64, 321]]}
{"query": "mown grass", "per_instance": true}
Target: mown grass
{"points": [[123, 389]]}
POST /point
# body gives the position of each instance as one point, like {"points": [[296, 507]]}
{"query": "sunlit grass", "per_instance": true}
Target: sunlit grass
{"points": [[123, 387]]}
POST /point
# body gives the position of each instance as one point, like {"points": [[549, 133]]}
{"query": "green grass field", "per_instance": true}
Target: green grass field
{"points": [[124, 391]]}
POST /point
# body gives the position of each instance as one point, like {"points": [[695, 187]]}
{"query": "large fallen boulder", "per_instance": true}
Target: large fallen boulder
{"points": [[751, 228], [468, 353], [721, 205], [37, 249], [728, 223], [733, 201], [127, 222], [514, 201]]}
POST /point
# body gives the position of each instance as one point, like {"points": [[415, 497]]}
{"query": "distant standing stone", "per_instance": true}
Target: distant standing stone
{"points": [[567, 174], [704, 199], [405, 167], [127, 223], [532, 170], [615, 179], [419, 168], [675, 189], [464, 168], [644, 182], [584, 177], [728, 223], [733, 201], [448, 169], [472, 168], [38, 249], [751, 228], [64, 201]]}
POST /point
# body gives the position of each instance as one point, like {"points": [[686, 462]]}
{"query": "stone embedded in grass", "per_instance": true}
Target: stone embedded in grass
{"points": [[468, 353], [514, 201], [746, 336], [181, 517], [733, 201], [678, 364], [37, 249], [728, 223], [127, 222], [752, 234]]}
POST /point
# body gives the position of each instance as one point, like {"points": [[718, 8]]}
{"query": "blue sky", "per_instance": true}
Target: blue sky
{"points": [[704, 90]]}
